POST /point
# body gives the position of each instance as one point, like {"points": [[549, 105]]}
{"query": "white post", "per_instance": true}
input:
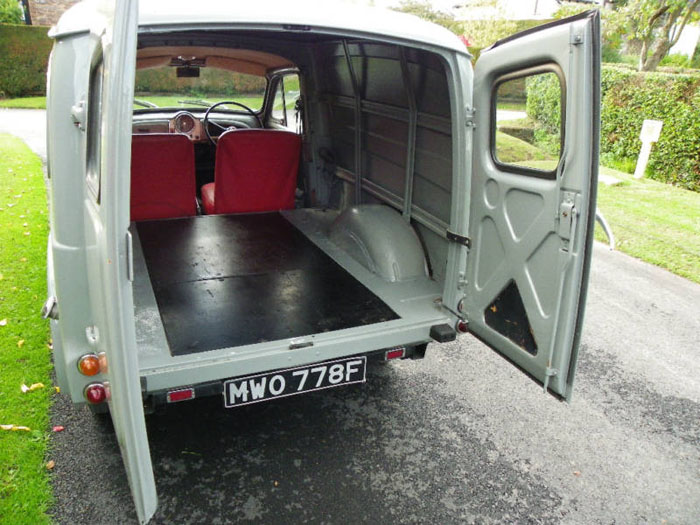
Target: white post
{"points": [[651, 131]]}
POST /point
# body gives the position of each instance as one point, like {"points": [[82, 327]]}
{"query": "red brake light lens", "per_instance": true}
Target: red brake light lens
{"points": [[396, 353], [89, 365], [180, 395], [95, 393]]}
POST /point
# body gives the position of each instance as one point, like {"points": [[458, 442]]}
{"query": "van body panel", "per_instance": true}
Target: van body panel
{"points": [[531, 228]]}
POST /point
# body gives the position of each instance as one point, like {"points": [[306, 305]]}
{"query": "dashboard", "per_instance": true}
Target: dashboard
{"points": [[187, 123]]}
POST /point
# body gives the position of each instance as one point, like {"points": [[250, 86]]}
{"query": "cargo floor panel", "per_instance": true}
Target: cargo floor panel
{"points": [[229, 280]]}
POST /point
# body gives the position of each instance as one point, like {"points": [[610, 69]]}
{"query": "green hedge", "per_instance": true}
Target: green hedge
{"points": [[628, 98], [24, 56], [212, 81]]}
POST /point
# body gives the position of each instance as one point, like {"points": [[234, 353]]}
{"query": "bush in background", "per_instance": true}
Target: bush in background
{"points": [[628, 98], [10, 12], [24, 56], [211, 81]]}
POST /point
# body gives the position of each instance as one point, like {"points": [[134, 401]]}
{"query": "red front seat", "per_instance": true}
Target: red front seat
{"points": [[256, 170], [162, 177]]}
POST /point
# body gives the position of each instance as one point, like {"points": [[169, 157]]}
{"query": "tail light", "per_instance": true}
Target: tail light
{"points": [[462, 327], [394, 353], [95, 393], [183, 394], [89, 365]]}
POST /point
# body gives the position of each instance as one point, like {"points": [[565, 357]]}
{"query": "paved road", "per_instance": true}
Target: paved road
{"points": [[29, 124], [458, 437]]}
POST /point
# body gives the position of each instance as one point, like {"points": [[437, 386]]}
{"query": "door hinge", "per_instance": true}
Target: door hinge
{"points": [[129, 257], [460, 239], [469, 117], [576, 36], [548, 373]]}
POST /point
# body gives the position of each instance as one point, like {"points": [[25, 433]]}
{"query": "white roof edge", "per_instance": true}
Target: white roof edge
{"points": [[328, 16]]}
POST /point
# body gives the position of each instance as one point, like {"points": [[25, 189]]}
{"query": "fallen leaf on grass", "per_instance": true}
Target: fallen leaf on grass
{"points": [[35, 386], [20, 343], [50, 465], [3, 322], [23, 259], [58, 428], [15, 428]]}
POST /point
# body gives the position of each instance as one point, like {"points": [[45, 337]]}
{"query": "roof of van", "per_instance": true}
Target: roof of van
{"points": [[332, 16]]}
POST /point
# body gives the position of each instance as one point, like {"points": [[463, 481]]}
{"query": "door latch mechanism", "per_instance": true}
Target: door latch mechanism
{"points": [[568, 217]]}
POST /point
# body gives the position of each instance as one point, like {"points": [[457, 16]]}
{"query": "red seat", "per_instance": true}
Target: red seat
{"points": [[162, 177], [256, 170]]}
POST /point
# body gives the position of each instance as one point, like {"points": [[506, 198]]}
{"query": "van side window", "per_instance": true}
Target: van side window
{"points": [[94, 134], [528, 115], [284, 106]]}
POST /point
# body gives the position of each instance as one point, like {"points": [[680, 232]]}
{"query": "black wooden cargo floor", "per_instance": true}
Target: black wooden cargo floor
{"points": [[230, 280]]}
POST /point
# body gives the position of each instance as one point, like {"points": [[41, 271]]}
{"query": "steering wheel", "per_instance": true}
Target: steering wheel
{"points": [[206, 121]]}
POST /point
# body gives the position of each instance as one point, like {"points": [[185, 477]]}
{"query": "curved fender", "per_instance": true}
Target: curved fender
{"points": [[377, 237]]}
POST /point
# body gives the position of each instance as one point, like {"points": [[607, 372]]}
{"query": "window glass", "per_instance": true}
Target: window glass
{"points": [[529, 122], [279, 112], [286, 108], [162, 87], [94, 132]]}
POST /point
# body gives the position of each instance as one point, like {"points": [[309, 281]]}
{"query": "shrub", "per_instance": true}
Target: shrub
{"points": [[10, 12], [675, 60], [628, 98], [24, 56], [212, 81]]}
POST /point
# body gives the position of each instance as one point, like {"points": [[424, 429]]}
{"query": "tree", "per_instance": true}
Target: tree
{"points": [[658, 24], [424, 9], [10, 12]]}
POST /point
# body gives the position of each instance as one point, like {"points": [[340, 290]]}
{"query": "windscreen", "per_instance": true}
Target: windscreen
{"points": [[163, 87]]}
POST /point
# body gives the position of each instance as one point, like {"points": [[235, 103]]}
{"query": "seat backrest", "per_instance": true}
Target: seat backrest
{"points": [[256, 170], [162, 177]]}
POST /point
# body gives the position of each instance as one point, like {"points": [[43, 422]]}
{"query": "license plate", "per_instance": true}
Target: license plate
{"points": [[292, 381]]}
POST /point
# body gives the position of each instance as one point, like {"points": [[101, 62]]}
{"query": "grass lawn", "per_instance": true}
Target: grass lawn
{"points": [[24, 103], [25, 491], [169, 101], [655, 222], [511, 106], [652, 221], [515, 151]]}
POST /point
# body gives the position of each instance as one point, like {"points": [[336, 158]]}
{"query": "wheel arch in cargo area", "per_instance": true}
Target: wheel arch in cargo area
{"points": [[380, 239]]}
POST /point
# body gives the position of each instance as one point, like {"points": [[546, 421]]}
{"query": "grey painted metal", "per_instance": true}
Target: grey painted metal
{"points": [[516, 222], [88, 248], [460, 82], [358, 124], [330, 17], [106, 241], [411, 139], [600, 218], [375, 236], [67, 271]]}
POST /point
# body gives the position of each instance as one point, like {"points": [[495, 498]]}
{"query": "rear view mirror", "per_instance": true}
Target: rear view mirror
{"points": [[187, 72]]}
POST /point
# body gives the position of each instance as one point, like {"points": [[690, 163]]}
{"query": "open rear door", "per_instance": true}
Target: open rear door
{"points": [[533, 195], [109, 109]]}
